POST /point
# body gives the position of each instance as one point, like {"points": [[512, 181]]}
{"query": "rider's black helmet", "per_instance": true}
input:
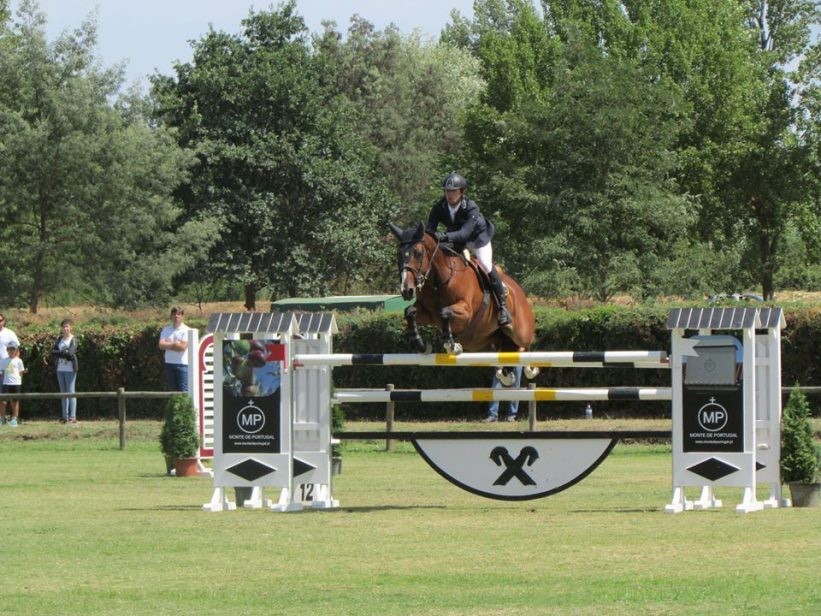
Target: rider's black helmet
{"points": [[454, 181]]}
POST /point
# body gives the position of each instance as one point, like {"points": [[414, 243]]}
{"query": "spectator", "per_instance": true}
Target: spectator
{"points": [[65, 353], [174, 341], [7, 336], [512, 406], [13, 370]]}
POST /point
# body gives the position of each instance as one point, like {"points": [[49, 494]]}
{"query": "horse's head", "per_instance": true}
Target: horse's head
{"points": [[414, 259]]}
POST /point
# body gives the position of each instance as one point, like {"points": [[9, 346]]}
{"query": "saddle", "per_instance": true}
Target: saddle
{"points": [[470, 261]]}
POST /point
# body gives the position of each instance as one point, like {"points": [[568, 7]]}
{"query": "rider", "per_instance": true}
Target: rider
{"points": [[467, 227]]}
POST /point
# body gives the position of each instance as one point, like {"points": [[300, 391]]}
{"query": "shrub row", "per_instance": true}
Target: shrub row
{"points": [[127, 356]]}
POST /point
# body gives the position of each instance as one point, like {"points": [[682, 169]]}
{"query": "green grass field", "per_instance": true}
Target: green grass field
{"points": [[90, 529]]}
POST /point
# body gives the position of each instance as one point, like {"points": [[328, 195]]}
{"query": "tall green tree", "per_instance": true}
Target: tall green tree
{"points": [[723, 132], [298, 195], [85, 186], [410, 95], [744, 156], [776, 181], [571, 150]]}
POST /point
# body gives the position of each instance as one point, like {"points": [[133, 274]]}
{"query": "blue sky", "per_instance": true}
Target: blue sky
{"points": [[152, 34]]}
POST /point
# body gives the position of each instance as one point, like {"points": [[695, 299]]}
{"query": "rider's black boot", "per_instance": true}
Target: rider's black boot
{"points": [[499, 291]]}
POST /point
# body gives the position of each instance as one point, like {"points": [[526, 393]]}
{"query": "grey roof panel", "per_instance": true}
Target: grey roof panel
{"points": [[273, 322], [771, 318], [247, 322], [725, 318], [315, 323]]}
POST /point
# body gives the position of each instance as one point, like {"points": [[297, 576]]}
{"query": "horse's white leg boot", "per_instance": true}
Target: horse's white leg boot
{"points": [[505, 379]]}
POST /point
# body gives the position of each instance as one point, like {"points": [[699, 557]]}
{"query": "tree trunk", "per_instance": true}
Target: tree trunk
{"points": [[250, 296], [767, 289], [38, 275], [767, 266]]}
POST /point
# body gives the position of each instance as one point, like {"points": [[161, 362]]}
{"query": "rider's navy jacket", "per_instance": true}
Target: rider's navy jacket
{"points": [[469, 227]]}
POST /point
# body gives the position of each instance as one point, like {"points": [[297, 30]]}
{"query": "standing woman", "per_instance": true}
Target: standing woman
{"points": [[65, 352]]}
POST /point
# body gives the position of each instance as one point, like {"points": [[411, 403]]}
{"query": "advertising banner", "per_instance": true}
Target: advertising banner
{"points": [[251, 396], [713, 419]]}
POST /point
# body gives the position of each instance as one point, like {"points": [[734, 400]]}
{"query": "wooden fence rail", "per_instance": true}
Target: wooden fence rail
{"points": [[121, 395]]}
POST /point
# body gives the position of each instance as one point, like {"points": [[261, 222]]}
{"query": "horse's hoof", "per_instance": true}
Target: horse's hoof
{"points": [[531, 372], [426, 350], [506, 379], [453, 348]]}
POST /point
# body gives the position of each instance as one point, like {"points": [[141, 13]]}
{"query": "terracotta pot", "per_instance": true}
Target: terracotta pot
{"points": [[805, 494], [187, 467]]}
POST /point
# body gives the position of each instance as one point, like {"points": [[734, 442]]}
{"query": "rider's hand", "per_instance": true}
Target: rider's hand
{"points": [[441, 237]]}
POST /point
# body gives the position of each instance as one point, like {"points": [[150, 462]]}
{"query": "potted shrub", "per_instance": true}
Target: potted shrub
{"points": [[179, 439], [800, 465]]}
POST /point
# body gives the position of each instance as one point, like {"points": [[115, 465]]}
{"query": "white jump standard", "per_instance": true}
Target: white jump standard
{"points": [[264, 435], [726, 404]]}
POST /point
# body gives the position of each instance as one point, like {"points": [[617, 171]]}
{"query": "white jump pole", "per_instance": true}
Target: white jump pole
{"points": [[557, 359], [503, 395]]}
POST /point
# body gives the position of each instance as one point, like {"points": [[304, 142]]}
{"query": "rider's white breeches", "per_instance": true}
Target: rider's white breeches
{"points": [[484, 256]]}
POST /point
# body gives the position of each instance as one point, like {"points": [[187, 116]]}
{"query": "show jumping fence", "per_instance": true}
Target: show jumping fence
{"points": [[709, 369]]}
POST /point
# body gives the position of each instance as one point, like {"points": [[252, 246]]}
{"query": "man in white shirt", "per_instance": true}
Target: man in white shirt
{"points": [[174, 341]]}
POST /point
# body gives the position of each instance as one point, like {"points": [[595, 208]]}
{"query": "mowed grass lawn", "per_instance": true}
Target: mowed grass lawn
{"points": [[89, 529]]}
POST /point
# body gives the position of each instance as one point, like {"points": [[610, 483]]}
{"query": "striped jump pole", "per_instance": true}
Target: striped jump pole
{"points": [[555, 359], [503, 395]]}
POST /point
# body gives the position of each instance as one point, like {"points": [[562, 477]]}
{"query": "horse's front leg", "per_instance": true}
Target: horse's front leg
{"points": [[455, 318], [451, 346], [412, 330]]}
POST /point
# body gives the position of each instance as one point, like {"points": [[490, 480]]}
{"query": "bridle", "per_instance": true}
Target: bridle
{"points": [[420, 277]]}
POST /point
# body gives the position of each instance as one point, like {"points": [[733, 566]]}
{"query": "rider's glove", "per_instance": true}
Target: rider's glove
{"points": [[441, 237]]}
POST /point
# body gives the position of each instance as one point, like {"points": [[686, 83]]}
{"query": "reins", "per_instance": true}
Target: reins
{"points": [[422, 277]]}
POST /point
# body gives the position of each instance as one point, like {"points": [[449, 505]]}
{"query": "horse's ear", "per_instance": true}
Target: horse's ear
{"points": [[420, 231], [395, 230]]}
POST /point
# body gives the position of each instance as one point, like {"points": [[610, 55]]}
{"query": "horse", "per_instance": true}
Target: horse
{"points": [[449, 294]]}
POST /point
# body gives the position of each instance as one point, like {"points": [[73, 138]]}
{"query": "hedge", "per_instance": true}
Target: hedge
{"points": [[127, 356], [109, 358]]}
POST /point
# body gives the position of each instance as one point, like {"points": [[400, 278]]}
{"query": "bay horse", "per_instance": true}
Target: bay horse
{"points": [[450, 295]]}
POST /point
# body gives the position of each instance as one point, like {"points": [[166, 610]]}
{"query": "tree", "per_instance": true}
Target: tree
{"points": [[297, 194], [776, 180], [85, 186], [571, 151], [410, 95], [736, 145], [746, 156]]}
